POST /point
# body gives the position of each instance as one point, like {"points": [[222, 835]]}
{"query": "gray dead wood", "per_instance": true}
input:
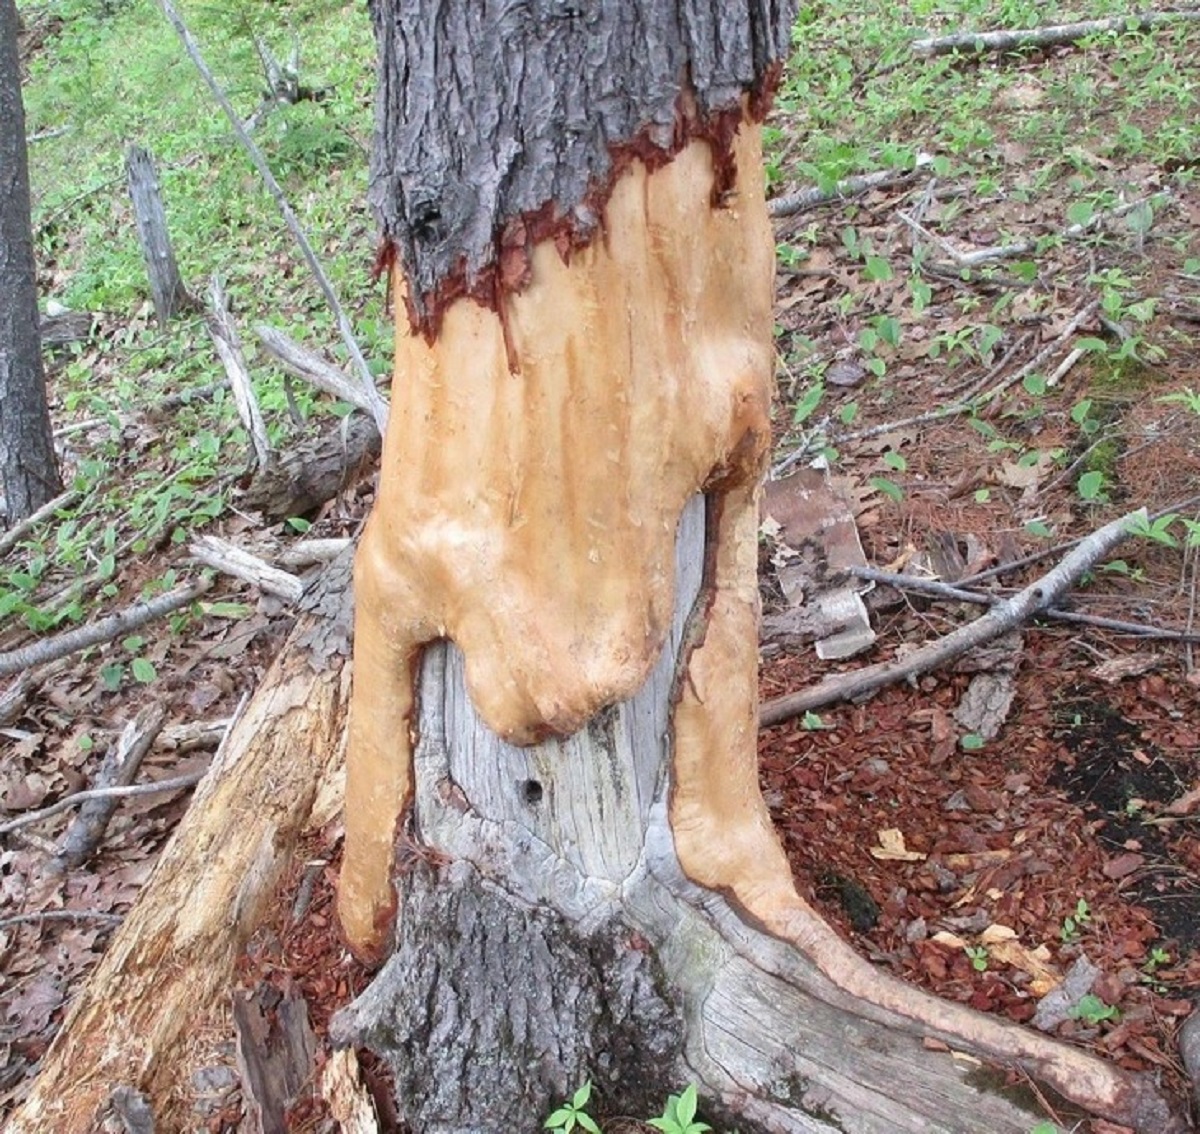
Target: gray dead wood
{"points": [[548, 937], [14, 535], [311, 473], [228, 344], [1004, 616], [221, 555], [167, 289], [977, 43], [275, 1051], [814, 196], [311, 367], [117, 769]]}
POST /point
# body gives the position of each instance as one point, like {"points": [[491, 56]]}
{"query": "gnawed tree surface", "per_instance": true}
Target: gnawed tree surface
{"points": [[572, 196]]}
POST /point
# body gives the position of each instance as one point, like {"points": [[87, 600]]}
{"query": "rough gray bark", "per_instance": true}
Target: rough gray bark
{"points": [[27, 463], [166, 286], [481, 150]]}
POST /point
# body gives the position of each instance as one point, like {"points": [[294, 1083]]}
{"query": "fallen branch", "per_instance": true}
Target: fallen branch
{"points": [[1045, 553], [62, 915], [378, 406], [17, 532], [814, 195], [960, 260], [228, 343], [1001, 618], [177, 783], [118, 769], [979, 43], [229, 559], [102, 630]]}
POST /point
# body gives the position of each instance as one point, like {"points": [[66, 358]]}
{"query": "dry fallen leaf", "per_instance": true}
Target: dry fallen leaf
{"points": [[892, 849]]}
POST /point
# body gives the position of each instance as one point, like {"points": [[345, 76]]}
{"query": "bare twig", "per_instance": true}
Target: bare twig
{"points": [[178, 783], [977, 43], [228, 343], [62, 915], [226, 557], [18, 532], [960, 260], [1045, 553], [814, 195], [1000, 619], [378, 406], [102, 630], [934, 588], [118, 769]]}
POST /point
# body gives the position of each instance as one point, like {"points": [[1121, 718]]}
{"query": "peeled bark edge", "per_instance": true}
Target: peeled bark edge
{"points": [[466, 184]]}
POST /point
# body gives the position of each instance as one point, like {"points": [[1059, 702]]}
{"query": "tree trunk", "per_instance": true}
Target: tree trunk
{"points": [[27, 462], [573, 194]]}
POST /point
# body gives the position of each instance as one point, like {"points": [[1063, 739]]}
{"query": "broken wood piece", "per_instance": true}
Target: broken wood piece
{"points": [[816, 543], [174, 953], [1002, 617], [348, 1099], [306, 476], [132, 1109], [166, 285], [275, 1052], [308, 552], [102, 630], [978, 43], [228, 558], [815, 195], [228, 343], [118, 769], [14, 535]]}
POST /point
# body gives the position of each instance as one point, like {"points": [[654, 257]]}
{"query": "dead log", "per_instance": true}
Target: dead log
{"points": [[175, 951]]}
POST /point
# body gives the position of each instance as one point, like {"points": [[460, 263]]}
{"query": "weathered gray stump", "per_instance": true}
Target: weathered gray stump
{"points": [[167, 290]]}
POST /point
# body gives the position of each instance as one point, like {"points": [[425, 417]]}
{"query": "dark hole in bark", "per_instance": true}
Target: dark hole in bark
{"points": [[532, 791]]}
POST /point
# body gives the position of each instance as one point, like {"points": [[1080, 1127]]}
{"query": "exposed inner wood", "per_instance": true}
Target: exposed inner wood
{"points": [[530, 516]]}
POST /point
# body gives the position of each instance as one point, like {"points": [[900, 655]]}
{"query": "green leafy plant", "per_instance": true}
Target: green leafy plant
{"points": [[679, 1115], [1075, 921], [574, 1113], [1092, 1010], [978, 956]]}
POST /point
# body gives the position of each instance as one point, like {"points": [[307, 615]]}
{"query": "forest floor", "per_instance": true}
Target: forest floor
{"points": [[1030, 273]]}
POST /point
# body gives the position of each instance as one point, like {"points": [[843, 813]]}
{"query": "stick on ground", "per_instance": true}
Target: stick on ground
{"points": [[103, 630], [978, 43]]}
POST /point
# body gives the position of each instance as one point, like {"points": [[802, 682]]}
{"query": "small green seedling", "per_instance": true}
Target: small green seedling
{"points": [[679, 1115], [978, 956], [812, 721], [1092, 1010], [1073, 922], [574, 1113]]}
